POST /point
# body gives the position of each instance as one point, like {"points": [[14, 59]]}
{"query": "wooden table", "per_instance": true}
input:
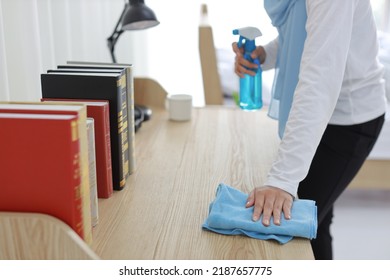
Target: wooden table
{"points": [[178, 167]]}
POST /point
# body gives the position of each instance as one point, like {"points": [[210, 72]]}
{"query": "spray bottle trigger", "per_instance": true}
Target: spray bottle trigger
{"points": [[240, 42]]}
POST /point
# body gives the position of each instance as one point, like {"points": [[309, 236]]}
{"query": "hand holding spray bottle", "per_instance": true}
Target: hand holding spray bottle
{"points": [[250, 86]]}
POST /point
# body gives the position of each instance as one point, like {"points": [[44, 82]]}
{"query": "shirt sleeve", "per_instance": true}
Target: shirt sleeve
{"points": [[329, 29], [271, 50]]}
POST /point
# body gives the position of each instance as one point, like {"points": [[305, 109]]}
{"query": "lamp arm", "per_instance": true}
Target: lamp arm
{"points": [[111, 41]]}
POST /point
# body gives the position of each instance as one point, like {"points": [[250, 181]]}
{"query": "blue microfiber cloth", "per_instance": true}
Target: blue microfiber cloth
{"points": [[228, 215]]}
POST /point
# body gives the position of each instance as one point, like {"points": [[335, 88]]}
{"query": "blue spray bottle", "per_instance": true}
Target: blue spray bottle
{"points": [[250, 86]]}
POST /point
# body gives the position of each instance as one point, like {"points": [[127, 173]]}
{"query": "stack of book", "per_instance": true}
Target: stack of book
{"points": [[75, 145], [98, 81]]}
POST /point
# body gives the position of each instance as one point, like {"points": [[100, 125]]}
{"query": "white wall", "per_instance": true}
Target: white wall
{"points": [[36, 35]]}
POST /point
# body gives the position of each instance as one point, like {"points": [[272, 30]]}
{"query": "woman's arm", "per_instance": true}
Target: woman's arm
{"points": [[329, 28]]}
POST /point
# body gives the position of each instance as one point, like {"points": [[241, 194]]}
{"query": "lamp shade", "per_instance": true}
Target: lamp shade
{"points": [[138, 16]]}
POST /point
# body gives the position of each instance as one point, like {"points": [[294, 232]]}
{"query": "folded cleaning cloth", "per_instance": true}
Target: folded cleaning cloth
{"points": [[228, 215]]}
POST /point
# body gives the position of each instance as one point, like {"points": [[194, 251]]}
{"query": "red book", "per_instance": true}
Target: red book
{"points": [[99, 111], [78, 110], [40, 166]]}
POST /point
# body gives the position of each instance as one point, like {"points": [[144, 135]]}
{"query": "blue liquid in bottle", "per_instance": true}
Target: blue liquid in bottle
{"points": [[250, 86], [251, 91]]}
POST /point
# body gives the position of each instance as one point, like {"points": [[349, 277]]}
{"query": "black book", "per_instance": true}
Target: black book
{"points": [[112, 67], [106, 86]]}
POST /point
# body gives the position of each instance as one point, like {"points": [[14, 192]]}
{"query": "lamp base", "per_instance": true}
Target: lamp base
{"points": [[141, 114]]}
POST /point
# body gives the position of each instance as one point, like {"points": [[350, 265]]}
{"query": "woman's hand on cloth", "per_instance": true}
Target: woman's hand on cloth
{"points": [[270, 201]]}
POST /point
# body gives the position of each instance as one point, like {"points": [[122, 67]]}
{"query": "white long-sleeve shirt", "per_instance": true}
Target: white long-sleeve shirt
{"points": [[340, 82]]}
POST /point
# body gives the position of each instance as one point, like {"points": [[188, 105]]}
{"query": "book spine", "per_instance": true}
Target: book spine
{"points": [[85, 189], [130, 110], [109, 190], [123, 129], [76, 162]]}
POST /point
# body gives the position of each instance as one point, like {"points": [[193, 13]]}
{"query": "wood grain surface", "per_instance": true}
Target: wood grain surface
{"points": [[32, 236], [179, 165]]}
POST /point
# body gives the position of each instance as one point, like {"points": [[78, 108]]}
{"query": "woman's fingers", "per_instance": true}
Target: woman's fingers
{"points": [[271, 203], [277, 209], [268, 209], [259, 208], [251, 199], [242, 66]]}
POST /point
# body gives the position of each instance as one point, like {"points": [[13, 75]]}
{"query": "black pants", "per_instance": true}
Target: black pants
{"points": [[339, 156]]}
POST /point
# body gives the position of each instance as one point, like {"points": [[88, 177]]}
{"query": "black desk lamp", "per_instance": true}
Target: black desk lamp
{"points": [[135, 16]]}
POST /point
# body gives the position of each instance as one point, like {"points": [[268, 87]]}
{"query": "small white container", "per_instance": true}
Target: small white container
{"points": [[179, 107]]}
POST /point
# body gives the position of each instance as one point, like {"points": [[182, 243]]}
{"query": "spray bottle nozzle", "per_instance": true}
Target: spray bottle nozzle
{"points": [[249, 33]]}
